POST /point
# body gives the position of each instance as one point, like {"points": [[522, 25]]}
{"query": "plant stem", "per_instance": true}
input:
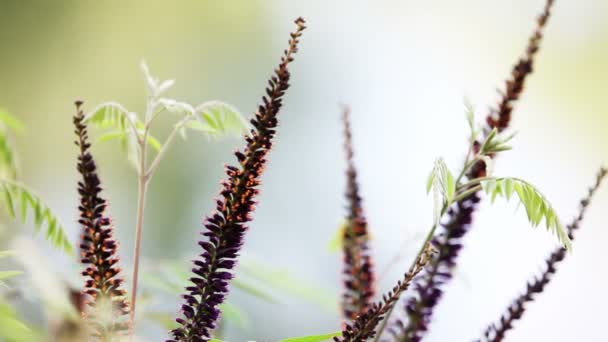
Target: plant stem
{"points": [[425, 245], [139, 225], [163, 150]]}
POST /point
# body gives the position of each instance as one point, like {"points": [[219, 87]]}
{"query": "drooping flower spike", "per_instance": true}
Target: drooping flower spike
{"points": [[358, 268], [226, 227], [106, 308], [495, 332]]}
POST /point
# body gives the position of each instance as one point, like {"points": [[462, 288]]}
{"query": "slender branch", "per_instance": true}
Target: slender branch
{"points": [[139, 225], [156, 162]]}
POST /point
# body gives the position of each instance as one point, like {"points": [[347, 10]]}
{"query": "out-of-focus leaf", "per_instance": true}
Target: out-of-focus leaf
{"points": [[336, 242], [282, 280], [9, 274], [313, 338], [11, 122], [11, 328], [171, 278], [221, 119], [235, 315], [16, 193], [4, 254], [8, 163]]}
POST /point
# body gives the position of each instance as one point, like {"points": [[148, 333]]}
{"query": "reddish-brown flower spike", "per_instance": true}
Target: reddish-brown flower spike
{"points": [[358, 268], [495, 332], [225, 229], [106, 307], [448, 243], [501, 116]]}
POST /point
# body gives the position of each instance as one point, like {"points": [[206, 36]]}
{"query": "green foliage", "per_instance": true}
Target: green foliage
{"points": [[8, 163], [11, 327], [335, 244], [283, 280], [313, 338], [219, 119], [495, 143], [213, 118], [17, 197], [537, 206], [123, 126], [11, 122], [443, 184], [9, 274]]}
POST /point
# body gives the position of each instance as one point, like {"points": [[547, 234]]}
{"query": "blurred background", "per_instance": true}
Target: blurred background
{"points": [[404, 67]]}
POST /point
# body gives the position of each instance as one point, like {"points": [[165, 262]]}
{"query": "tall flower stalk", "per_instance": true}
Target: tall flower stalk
{"points": [[420, 308], [107, 308], [226, 227], [495, 332], [358, 268]]}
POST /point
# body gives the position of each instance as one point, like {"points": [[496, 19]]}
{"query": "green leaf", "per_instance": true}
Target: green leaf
{"points": [[282, 280], [235, 315], [450, 187], [8, 164], [15, 192], [9, 274], [221, 119], [11, 122], [4, 254], [253, 290], [313, 338], [11, 328], [538, 208], [336, 242], [431, 180]]}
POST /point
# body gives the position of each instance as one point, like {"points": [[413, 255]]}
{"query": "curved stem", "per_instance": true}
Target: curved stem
{"points": [[156, 162]]}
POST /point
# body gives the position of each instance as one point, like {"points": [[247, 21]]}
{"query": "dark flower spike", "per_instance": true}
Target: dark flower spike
{"points": [[103, 295], [364, 326], [358, 268], [448, 243], [496, 331], [226, 227], [501, 117]]}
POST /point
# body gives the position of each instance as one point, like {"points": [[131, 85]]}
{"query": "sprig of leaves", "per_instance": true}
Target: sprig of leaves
{"points": [[8, 162], [442, 182], [538, 208], [11, 327], [19, 198]]}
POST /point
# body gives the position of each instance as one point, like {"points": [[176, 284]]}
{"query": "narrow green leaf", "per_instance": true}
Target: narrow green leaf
{"points": [[7, 253], [253, 290], [313, 338], [335, 244], [509, 188], [431, 180], [9, 274], [11, 121], [10, 206], [450, 186]]}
